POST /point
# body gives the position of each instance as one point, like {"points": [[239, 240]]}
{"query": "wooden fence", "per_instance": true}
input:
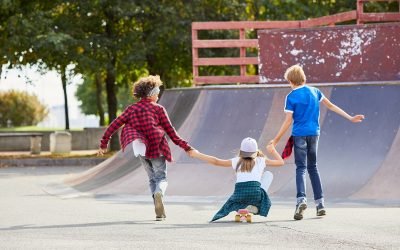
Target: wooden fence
{"points": [[244, 43]]}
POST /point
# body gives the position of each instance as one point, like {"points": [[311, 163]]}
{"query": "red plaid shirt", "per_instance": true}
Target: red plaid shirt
{"points": [[149, 122], [287, 151]]}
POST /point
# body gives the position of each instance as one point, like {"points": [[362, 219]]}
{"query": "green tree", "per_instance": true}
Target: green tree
{"points": [[110, 41], [56, 47], [89, 103], [114, 42], [34, 34], [19, 108]]}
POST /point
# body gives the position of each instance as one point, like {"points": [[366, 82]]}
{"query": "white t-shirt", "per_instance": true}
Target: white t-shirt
{"points": [[139, 148], [255, 174]]}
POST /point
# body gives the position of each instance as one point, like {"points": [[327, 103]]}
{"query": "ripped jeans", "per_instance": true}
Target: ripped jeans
{"points": [[156, 169]]}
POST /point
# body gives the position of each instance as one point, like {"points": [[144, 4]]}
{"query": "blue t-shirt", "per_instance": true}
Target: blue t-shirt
{"points": [[303, 102]]}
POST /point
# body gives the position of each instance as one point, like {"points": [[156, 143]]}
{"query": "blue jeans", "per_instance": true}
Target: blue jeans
{"points": [[305, 155], [156, 169]]}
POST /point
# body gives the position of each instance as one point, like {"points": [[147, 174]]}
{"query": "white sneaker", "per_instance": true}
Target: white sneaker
{"points": [[159, 206], [321, 210], [300, 208], [252, 209]]}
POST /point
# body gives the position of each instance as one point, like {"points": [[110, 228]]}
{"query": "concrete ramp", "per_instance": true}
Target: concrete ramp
{"points": [[356, 161]]}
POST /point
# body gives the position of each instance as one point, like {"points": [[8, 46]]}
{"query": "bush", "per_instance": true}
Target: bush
{"points": [[19, 108]]}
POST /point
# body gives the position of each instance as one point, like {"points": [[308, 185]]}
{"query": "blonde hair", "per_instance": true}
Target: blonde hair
{"points": [[144, 85], [247, 164], [295, 75]]}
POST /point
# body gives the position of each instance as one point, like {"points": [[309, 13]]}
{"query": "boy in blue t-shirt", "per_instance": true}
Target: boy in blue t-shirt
{"points": [[302, 108]]}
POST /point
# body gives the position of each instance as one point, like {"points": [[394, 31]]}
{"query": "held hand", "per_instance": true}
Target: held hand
{"points": [[272, 142], [101, 152], [270, 148], [192, 153], [357, 118]]}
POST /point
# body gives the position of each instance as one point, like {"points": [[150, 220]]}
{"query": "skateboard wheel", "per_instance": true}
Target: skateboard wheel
{"points": [[237, 218], [248, 218]]}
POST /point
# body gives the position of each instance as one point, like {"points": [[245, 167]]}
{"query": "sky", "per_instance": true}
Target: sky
{"points": [[49, 90]]}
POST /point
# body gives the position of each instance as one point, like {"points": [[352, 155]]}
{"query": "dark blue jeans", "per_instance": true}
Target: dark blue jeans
{"points": [[305, 155]]}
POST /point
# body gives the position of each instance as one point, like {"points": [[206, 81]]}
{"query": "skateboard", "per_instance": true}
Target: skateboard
{"points": [[243, 215]]}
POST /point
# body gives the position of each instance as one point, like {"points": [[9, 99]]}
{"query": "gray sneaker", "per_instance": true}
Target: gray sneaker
{"points": [[321, 210], [159, 206], [300, 207], [252, 209]]}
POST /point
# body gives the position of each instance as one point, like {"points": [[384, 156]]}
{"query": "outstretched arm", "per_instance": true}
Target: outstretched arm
{"points": [[111, 129], [210, 159], [341, 112], [170, 130], [285, 126], [278, 161]]}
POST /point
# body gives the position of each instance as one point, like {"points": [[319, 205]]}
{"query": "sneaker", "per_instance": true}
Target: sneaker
{"points": [[159, 206], [160, 218], [300, 207], [252, 209], [321, 210]]}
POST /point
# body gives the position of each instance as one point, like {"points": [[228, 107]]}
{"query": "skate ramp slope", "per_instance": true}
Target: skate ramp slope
{"points": [[110, 173], [350, 155], [356, 161]]}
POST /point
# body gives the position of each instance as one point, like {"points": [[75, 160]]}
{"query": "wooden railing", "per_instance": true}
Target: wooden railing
{"points": [[243, 43], [363, 17]]}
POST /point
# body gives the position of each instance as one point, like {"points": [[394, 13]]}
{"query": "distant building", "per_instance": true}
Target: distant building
{"points": [[56, 118]]}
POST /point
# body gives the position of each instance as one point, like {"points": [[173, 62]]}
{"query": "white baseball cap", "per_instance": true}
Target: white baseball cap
{"points": [[248, 148]]}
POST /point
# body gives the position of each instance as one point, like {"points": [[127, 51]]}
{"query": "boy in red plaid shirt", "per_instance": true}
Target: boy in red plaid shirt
{"points": [[145, 126]]}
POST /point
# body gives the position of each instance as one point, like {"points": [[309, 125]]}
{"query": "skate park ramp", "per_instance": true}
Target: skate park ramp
{"points": [[356, 161]]}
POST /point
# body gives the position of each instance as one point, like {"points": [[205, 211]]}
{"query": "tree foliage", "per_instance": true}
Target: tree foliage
{"points": [[18, 108], [112, 43], [88, 87], [33, 35]]}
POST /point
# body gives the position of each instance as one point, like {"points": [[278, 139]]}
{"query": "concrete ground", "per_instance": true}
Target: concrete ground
{"points": [[31, 219]]}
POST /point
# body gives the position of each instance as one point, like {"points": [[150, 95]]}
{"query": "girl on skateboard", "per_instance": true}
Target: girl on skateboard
{"points": [[252, 182]]}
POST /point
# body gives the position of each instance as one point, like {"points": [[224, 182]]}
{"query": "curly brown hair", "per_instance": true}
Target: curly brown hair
{"points": [[144, 85]]}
